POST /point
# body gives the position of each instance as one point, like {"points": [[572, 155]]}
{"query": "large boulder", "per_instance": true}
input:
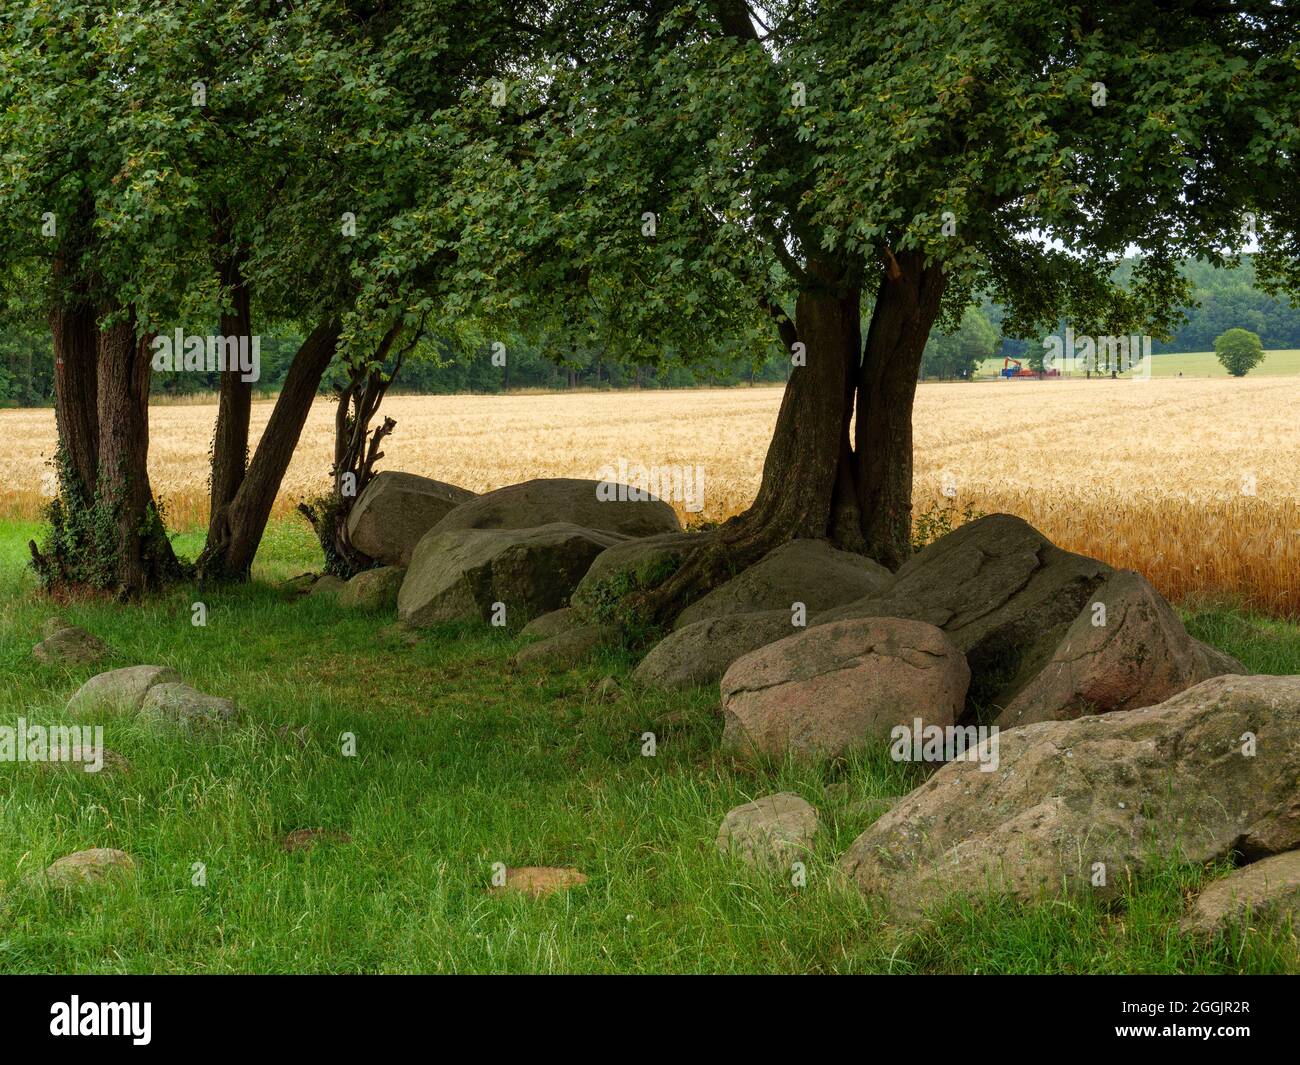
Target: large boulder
{"points": [[811, 572], [630, 565], [1083, 805], [459, 575], [373, 589], [1126, 649], [1003, 593], [1264, 892], [701, 653], [839, 686], [560, 499], [119, 691], [395, 510]]}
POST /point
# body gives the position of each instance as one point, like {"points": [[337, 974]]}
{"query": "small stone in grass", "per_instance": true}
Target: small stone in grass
{"points": [[538, 880], [72, 646], [769, 832], [110, 762], [301, 839], [180, 704], [92, 866]]}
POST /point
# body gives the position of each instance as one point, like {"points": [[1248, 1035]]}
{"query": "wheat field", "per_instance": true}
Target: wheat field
{"points": [[1194, 482]]}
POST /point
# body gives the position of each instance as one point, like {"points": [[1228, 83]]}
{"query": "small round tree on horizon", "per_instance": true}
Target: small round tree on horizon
{"points": [[1239, 350]]}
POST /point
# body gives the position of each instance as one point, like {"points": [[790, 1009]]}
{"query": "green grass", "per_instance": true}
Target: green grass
{"points": [[462, 763], [1280, 363]]}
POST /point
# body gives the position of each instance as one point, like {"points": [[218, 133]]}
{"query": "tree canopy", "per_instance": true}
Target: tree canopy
{"points": [[1239, 350], [829, 182]]}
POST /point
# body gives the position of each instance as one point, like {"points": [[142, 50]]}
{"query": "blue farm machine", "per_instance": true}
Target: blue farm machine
{"points": [[1012, 368]]}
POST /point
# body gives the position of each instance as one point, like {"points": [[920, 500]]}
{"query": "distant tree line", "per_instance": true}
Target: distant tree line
{"points": [[1224, 299]]}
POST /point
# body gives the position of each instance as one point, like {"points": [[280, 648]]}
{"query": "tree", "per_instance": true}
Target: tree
{"points": [[1239, 350], [209, 166], [959, 354], [422, 57], [67, 184], [691, 167]]}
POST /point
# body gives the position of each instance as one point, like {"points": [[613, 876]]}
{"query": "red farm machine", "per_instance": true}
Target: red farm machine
{"points": [[1013, 368]]}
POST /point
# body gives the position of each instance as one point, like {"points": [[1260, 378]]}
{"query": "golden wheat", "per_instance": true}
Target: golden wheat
{"points": [[1192, 482]]}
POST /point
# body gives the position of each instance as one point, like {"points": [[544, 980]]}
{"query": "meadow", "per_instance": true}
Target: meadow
{"points": [[1192, 481], [462, 762]]}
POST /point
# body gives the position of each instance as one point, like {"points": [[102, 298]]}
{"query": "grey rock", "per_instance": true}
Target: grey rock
{"points": [[1126, 649], [182, 705], [373, 589], [771, 832], [552, 624], [119, 691], [701, 653], [561, 499], [568, 648], [72, 646], [90, 867], [1111, 792], [327, 585], [831, 689], [459, 575], [395, 510], [629, 565], [1004, 594], [811, 572], [1266, 892]]}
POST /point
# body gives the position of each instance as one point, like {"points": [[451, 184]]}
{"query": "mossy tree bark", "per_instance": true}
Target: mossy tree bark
{"points": [[107, 533]]}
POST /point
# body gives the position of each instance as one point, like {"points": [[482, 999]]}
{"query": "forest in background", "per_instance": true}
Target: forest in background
{"points": [[1224, 299]]}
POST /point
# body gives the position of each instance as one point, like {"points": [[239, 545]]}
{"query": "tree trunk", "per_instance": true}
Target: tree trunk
{"points": [[820, 481], [107, 533], [76, 392], [356, 450], [798, 492], [142, 558], [804, 492], [229, 555], [907, 304], [234, 405]]}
